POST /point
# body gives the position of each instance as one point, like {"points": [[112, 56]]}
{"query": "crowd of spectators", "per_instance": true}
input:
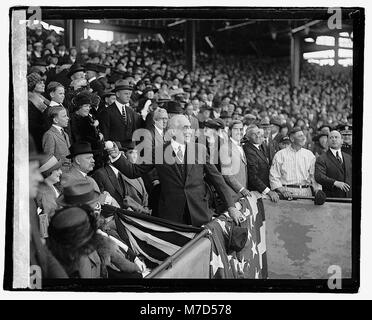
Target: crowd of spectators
{"points": [[72, 119]]}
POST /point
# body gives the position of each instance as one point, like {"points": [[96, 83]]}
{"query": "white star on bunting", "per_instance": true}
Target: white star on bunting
{"points": [[216, 263], [254, 250], [222, 225]]}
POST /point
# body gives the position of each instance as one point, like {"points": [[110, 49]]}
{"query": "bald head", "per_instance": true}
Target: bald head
{"points": [[335, 140]]}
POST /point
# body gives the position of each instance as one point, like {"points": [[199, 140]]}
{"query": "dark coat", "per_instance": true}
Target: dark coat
{"points": [[328, 170], [183, 197], [113, 126], [258, 168], [36, 125], [107, 181], [82, 129], [269, 150]]}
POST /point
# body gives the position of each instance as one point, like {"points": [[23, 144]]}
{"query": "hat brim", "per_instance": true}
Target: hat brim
{"points": [[70, 156], [61, 200], [57, 166], [123, 88]]}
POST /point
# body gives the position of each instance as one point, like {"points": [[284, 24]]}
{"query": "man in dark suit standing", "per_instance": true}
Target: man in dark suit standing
{"points": [[92, 71], [119, 121], [333, 169], [275, 136], [267, 144], [258, 164], [183, 196]]}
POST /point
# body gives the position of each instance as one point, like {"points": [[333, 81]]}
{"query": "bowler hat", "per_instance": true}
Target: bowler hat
{"points": [[75, 68], [174, 107], [80, 147], [81, 192]]}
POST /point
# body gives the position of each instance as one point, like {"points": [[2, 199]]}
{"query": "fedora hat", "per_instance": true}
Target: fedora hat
{"points": [[80, 147], [72, 227], [174, 107], [75, 68], [49, 164], [79, 193], [122, 85]]}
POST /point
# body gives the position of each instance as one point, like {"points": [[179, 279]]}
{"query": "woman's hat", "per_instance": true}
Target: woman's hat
{"points": [[49, 164], [81, 192], [84, 97]]}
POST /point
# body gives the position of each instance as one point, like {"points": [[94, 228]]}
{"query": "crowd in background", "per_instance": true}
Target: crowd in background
{"points": [[72, 94]]}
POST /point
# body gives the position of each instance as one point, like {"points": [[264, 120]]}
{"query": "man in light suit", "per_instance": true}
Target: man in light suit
{"points": [[333, 169], [183, 197], [81, 154], [234, 163], [56, 141]]}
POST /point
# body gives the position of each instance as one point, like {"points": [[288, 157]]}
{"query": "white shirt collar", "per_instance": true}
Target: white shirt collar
{"points": [[53, 103], [120, 105], [116, 171], [83, 173], [257, 146], [274, 135], [58, 128], [216, 114], [235, 142], [334, 152], [92, 79], [176, 145], [159, 130]]}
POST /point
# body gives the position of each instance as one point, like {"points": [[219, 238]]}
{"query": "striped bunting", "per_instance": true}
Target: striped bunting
{"points": [[153, 238]]}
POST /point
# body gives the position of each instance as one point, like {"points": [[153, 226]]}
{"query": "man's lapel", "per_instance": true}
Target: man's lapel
{"points": [[114, 180], [335, 161]]}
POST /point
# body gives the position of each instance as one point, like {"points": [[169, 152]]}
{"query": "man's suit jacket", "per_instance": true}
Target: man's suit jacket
{"points": [[73, 176], [258, 168], [183, 189], [269, 150], [113, 126], [108, 181], [54, 143], [135, 188], [194, 122], [233, 168], [275, 142], [328, 170]]}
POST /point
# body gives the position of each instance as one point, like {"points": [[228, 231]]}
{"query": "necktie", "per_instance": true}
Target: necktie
{"points": [[124, 114], [180, 154], [65, 136], [338, 157]]}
